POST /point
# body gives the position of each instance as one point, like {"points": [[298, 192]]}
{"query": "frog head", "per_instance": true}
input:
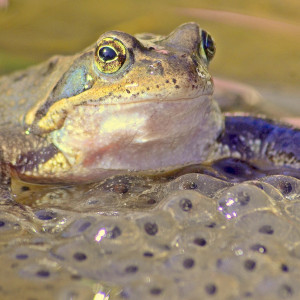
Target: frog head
{"points": [[133, 103]]}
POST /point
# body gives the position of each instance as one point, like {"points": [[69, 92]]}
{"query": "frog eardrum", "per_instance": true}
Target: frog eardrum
{"points": [[110, 55]]}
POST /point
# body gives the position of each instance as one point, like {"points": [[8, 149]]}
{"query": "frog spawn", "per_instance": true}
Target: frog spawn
{"points": [[191, 237]]}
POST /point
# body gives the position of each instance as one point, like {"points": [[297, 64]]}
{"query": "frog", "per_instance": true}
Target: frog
{"points": [[140, 104]]}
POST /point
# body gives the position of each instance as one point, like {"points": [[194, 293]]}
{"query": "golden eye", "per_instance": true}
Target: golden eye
{"points": [[110, 55]]}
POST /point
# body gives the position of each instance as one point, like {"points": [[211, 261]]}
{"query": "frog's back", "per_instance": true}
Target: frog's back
{"points": [[21, 90]]}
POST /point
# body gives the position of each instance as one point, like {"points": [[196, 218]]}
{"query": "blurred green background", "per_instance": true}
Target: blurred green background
{"points": [[258, 42]]}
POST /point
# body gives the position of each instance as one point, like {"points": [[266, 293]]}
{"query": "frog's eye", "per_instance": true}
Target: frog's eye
{"points": [[207, 48], [107, 54], [110, 55]]}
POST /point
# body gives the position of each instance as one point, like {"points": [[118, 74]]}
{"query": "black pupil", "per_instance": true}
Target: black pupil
{"points": [[107, 53], [208, 45]]}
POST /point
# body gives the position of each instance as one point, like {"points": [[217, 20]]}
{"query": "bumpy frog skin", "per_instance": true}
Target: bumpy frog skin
{"points": [[127, 103]]}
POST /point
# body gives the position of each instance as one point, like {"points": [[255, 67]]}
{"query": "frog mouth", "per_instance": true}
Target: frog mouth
{"points": [[106, 101], [55, 117]]}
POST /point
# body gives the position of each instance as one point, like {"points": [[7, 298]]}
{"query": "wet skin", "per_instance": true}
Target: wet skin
{"points": [[127, 103]]}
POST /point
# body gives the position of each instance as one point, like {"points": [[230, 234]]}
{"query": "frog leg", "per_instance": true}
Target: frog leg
{"points": [[5, 181], [6, 197], [260, 140]]}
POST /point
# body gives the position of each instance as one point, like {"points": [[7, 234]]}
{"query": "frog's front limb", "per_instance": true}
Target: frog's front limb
{"points": [[256, 139], [7, 201], [5, 180], [20, 153]]}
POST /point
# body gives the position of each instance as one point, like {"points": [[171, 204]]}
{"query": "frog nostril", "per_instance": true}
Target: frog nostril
{"points": [[155, 68]]}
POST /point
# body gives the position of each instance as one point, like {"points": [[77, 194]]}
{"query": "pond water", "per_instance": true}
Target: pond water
{"points": [[223, 231]]}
